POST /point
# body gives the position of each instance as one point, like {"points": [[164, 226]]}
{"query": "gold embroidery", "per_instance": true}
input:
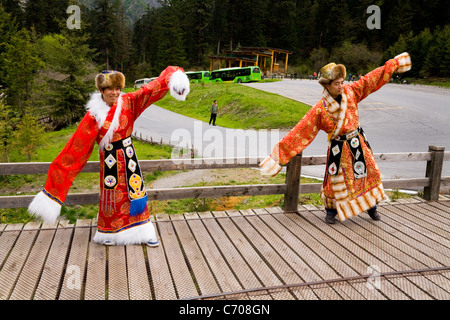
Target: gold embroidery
{"points": [[125, 208], [136, 183], [78, 144], [57, 176], [117, 223]]}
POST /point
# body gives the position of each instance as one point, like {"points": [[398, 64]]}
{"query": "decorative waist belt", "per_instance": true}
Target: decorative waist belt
{"points": [[335, 153], [135, 182]]}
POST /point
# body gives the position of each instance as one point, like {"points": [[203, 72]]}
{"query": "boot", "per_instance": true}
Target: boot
{"points": [[330, 219], [331, 216], [374, 214], [153, 243]]}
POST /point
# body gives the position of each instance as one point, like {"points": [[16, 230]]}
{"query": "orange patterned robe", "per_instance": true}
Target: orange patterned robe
{"points": [[105, 125], [350, 196]]}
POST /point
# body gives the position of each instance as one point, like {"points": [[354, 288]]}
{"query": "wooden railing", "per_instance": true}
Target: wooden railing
{"points": [[291, 188]]}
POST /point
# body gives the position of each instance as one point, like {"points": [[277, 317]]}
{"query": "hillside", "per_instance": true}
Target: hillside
{"points": [[240, 107], [133, 8]]}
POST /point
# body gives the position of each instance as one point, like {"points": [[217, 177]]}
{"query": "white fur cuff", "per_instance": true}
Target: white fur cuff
{"points": [[179, 85], [269, 167], [404, 60], [135, 235], [44, 207]]}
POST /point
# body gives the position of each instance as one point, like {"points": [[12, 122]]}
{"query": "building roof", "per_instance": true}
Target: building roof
{"points": [[265, 49]]}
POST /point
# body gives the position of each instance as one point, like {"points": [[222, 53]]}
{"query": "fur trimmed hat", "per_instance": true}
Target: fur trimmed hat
{"points": [[110, 79], [330, 72]]}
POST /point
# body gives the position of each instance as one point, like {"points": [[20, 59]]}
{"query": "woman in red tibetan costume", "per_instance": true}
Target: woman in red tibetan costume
{"points": [[123, 215], [352, 182]]}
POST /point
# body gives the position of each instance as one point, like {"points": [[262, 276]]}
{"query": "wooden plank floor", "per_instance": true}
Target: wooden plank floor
{"points": [[247, 254]]}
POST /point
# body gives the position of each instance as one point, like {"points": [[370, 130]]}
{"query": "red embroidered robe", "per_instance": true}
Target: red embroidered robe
{"points": [[104, 124], [350, 196]]}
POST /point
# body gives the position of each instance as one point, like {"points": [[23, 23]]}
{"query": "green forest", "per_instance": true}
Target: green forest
{"points": [[48, 62]]}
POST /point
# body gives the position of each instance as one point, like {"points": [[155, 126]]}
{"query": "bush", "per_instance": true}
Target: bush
{"points": [[28, 135], [430, 52]]}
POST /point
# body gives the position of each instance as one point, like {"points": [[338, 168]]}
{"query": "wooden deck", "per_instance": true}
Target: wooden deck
{"points": [[248, 254]]}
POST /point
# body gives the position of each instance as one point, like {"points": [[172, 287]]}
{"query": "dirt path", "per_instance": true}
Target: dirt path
{"points": [[217, 176]]}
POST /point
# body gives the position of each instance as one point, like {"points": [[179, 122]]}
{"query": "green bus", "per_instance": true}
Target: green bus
{"points": [[237, 75], [199, 76]]}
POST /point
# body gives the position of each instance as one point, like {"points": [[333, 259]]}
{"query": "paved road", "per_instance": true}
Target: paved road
{"points": [[397, 118]]}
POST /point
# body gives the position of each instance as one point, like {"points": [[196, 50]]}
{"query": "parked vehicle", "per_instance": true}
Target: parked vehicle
{"points": [[237, 75], [199, 76], [142, 82]]}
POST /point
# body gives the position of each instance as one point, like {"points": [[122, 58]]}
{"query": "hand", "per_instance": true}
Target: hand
{"points": [[269, 167], [405, 62]]}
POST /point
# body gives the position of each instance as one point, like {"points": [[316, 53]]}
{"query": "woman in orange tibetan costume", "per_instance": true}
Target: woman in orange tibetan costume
{"points": [[352, 182], [123, 215]]}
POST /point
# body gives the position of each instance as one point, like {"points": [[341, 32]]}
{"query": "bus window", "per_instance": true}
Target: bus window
{"points": [[194, 76], [198, 76], [142, 82]]}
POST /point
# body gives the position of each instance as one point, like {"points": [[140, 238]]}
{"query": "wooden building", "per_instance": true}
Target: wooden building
{"points": [[266, 58]]}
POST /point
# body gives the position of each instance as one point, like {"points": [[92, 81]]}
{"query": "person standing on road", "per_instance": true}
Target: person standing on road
{"points": [[214, 111], [123, 216], [352, 182]]}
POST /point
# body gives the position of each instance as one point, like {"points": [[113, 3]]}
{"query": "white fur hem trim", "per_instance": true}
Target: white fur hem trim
{"points": [[135, 235], [44, 207], [179, 85]]}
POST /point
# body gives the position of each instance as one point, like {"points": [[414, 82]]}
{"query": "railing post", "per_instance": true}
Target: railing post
{"points": [[293, 172], [434, 172]]}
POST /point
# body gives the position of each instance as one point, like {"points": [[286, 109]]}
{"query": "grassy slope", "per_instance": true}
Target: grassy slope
{"points": [[240, 107]]}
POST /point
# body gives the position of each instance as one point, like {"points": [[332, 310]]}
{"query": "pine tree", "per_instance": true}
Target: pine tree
{"points": [[8, 121], [28, 134], [44, 15], [123, 39], [104, 25], [219, 25], [142, 46], [7, 29], [197, 17], [437, 61], [20, 63], [283, 33], [14, 8], [68, 63], [142, 29], [168, 38]]}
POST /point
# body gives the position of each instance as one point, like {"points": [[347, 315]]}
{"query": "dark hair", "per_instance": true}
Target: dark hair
{"points": [[215, 100]]}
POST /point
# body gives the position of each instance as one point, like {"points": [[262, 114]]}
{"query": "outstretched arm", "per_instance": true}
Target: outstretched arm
{"points": [[377, 78], [64, 169], [172, 79], [295, 141]]}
